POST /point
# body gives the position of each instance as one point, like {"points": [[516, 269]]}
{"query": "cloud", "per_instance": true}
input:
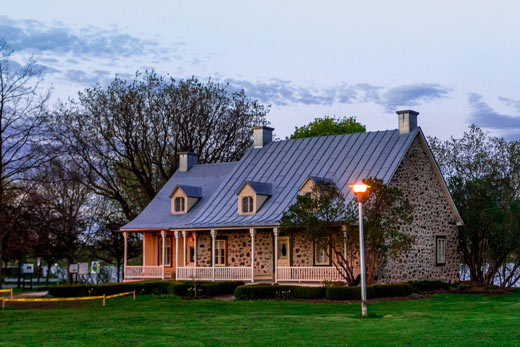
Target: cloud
{"points": [[412, 95], [282, 92], [511, 102], [484, 116], [101, 77], [37, 37]]}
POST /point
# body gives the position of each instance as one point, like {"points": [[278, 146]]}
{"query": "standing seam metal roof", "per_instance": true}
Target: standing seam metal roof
{"points": [[282, 166]]}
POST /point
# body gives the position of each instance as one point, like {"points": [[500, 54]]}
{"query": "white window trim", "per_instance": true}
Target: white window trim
{"points": [[183, 204], [168, 248], [316, 250], [220, 244], [252, 211], [440, 250]]}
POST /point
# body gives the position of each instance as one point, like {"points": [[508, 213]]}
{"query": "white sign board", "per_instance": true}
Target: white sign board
{"points": [[28, 268], [83, 268], [73, 268]]}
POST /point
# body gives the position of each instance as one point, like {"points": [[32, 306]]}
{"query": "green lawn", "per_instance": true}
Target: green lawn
{"points": [[447, 319]]}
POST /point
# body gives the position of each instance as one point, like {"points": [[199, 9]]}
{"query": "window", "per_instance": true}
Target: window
{"points": [[247, 204], [220, 253], [440, 253], [167, 251], [308, 195], [320, 254], [191, 255], [179, 204]]}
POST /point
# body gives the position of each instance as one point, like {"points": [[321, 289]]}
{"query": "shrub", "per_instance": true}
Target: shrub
{"points": [[309, 292], [343, 293], [268, 291], [421, 286], [146, 287]]}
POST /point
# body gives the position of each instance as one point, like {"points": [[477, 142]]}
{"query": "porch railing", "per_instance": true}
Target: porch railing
{"points": [[137, 272], [309, 274], [213, 273]]}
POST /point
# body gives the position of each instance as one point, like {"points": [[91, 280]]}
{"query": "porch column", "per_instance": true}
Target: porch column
{"points": [[345, 248], [275, 232], [194, 233], [125, 236], [213, 237], [184, 234], [163, 238], [177, 235], [252, 231]]}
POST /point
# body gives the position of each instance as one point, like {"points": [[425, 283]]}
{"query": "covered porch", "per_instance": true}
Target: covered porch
{"points": [[252, 255]]}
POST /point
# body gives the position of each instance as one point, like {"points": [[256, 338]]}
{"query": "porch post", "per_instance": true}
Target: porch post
{"points": [[213, 237], [275, 232], [184, 234], [177, 235], [252, 231], [125, 236], [345, 249], [163, 238], [195, 247]]}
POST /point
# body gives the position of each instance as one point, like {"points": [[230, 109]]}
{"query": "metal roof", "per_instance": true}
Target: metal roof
{"points": [[191, 191], [284, 165]]}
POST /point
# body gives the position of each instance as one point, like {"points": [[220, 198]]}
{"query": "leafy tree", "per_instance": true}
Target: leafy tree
{"points": [[483, 176], [125, 138], [328, 126], [22, 113], [327, 219]]}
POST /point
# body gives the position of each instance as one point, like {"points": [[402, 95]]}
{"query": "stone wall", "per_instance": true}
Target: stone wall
{"points": [[239, 249], [432, 217]]}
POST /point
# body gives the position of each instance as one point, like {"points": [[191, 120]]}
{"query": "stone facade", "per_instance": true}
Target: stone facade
{"points": [[239, 249], [432, 216]]}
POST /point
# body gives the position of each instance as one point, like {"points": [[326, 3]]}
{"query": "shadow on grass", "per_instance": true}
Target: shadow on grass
{"points": [[369, 316]]}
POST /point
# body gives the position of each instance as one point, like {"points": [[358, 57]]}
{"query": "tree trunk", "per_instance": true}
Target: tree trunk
{"points": [[1, 260], [48, 275]]}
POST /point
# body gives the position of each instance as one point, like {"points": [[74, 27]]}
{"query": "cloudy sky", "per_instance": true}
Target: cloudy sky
{"points": [[456, 62]]}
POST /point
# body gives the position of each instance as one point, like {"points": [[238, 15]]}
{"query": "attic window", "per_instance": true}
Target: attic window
{"points": [[179, 204], [247, 204], [307, 186]]}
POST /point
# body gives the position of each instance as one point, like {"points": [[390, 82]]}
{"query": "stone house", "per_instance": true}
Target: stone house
{"points": [[220, 221]]}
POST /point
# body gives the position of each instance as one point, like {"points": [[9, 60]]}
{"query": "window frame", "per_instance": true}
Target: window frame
{"points": [[218, 242], [440, 239], [178, 198], [168, 249], [315, 255], [249, 204]]}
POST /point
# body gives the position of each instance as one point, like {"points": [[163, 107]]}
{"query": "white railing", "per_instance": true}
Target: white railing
{"points": [[309, 274], [213, 273], [139, 272]]}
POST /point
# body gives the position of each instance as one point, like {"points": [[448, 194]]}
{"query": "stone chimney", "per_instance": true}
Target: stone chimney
{"points": [[407, 121], [262, 136], [187, 160]]}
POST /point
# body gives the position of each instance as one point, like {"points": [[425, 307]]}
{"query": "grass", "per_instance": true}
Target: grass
{"points": [[443, 319]]}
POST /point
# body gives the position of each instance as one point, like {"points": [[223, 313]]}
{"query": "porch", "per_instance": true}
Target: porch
{"points": [[230, 255]]}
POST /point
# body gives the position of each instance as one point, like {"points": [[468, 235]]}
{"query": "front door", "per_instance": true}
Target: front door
{"points": [[284, 249]]}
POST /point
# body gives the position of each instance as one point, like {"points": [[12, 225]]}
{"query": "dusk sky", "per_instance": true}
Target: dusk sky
{"points": [[456, 62]]}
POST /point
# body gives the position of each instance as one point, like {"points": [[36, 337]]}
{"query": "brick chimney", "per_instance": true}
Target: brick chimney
{"points": [[262, 136], [407, 121], [187, 160]]}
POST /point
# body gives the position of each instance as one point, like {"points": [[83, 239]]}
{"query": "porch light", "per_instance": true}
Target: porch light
{"points": [[359, 189]]}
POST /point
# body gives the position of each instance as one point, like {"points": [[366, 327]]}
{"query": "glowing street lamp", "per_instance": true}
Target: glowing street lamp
{"points": [[359, 189]]}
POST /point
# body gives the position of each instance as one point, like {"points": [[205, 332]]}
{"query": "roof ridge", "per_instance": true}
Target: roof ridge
{"points": [[349, 134]]}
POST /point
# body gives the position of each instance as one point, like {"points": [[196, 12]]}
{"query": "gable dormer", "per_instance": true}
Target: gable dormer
{"points": [[184, 197], [251, 196], [307, 187]]}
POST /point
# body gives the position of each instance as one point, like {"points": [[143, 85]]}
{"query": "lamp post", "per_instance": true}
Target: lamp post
{"points": [[359, 190]]}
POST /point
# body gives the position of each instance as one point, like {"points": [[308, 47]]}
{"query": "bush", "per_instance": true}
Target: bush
{"points": [[309, 292], [421, 286], [183, 289], [268, 291], [375, 291]]}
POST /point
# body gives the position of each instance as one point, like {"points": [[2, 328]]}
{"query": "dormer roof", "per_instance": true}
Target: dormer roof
{"points": [[190, 191], [316, 179], [259, 188]]}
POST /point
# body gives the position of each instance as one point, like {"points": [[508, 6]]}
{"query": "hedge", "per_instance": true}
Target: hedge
{"points": [[264, 291], [421, 286], [203, 289]]}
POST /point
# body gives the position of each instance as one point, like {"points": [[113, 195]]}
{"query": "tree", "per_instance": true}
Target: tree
{"points": [[125, 139], [328, 126], [22, 113], [327, 219], [483, 176]]}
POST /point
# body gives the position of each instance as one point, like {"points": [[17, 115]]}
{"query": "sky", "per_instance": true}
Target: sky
{"points": [[455, 62]]}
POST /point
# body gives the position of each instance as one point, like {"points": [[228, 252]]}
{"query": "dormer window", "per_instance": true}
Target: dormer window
{"points": [[184, 197], [179, 204], [251, 196], [247, 204], [307, 187]]}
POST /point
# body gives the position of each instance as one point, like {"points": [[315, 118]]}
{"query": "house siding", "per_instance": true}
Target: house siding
{"points": [[432, 216]]}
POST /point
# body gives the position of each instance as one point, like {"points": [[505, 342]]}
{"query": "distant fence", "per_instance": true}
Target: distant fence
{"points": [[81, 298], [10, 291]]}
